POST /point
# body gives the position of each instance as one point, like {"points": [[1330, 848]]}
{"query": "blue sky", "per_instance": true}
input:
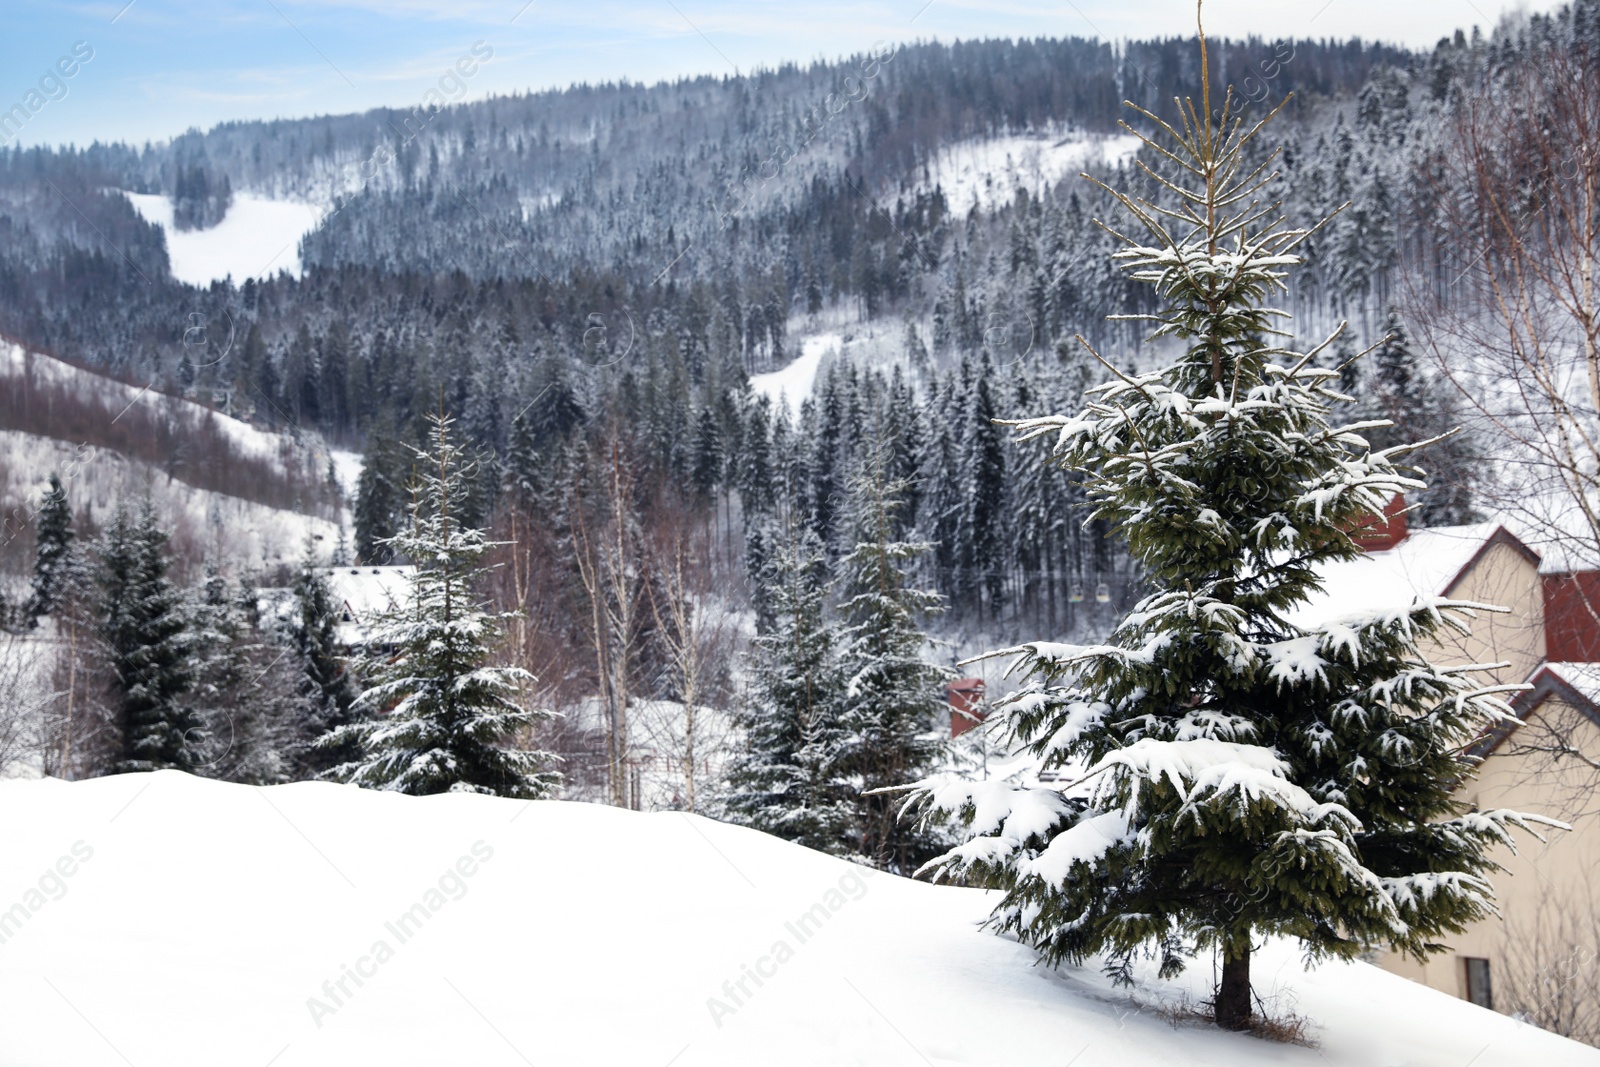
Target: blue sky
{"points": [[162, 66]]}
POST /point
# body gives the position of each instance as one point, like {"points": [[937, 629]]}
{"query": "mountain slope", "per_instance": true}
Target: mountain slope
{"points": [[225, 489], [575, 934]]}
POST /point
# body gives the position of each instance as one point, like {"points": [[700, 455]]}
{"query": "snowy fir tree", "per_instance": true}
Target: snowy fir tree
{"points": [[443, 718], [1420, 406], [326, 690], [149, 647], [379, 499], [786, 779], [893, 694], [1232, 775], [242, 691], [53, 558]]}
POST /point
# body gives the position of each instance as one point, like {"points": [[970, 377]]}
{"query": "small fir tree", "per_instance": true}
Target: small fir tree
{"points": [[326, 690], [1418, 406], [149, 647], [442, 715], [378, 500], [786, 779], [55, 554], [893, 694], [1233, 775], [241, 690]]}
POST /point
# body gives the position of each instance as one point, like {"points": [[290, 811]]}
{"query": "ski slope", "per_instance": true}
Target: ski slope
{"points": [[256, 239], [792, 383], [164, 919]]}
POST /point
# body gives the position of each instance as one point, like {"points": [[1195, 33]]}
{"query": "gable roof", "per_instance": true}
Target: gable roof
{"points": [[1428, 563], [1575, 684]]}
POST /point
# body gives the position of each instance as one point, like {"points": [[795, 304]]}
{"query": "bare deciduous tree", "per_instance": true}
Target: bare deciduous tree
{"points": [[694, 628], [1511, 312], [609, 563], [1549, 965]]}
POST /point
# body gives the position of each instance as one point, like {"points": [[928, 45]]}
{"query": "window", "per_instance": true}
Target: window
{"points": [[1478, 988]]}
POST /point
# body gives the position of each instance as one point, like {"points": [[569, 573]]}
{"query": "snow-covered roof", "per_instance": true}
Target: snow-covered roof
{"points": [[363, 593], [1425, 564], [360, 594], [1582, 678], [366, 591], [1578, 684]]}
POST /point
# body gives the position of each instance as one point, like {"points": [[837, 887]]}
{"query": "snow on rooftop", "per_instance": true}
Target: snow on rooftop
{"points": [[1421, 565], [256, 239], [366, 592], [369, 590], [1555, 526], [1584, 677], [314, 924]]}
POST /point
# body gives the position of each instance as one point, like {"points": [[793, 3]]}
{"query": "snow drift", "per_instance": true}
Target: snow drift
{"points": [[165, 919]]}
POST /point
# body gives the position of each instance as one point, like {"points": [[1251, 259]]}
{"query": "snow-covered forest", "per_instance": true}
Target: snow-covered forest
{"points": [[689, 448]]}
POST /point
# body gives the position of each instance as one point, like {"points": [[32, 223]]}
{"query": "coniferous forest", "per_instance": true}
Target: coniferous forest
{"points": [[585, 282]]}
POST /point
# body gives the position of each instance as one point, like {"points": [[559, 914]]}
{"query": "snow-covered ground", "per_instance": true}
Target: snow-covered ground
{"points": [[257, 239], [164, 919], [793, 383], [989, 170]]}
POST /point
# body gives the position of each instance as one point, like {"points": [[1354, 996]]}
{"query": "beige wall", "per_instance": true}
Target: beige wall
{"points": [[1549, 894], [1504, 577]]}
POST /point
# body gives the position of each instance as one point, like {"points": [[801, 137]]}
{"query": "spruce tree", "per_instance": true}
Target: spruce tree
{"points": [[378, 500], [442, 715], [785, 778], [1420, 407], [893, 695], [325, 688], [241, 690], [984, 472], [53, 559], [143, 626], [1233, 774]]}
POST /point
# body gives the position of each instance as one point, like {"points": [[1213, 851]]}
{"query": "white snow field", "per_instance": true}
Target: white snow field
{"points": [[988, 171], [256, 239], [164, 919], [793, 382]]}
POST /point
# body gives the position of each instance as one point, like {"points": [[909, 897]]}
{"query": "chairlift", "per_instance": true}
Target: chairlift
{"points": [[1076, 596], [1102, 593]]}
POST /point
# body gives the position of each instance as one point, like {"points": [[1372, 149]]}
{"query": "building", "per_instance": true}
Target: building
{"points": [[360, 594], [1548, 932]]}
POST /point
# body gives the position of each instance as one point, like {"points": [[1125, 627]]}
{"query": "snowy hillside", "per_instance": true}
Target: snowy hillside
{"points": [[988, 171], [251, 441], [793, 383], [218, 519], [174, 920], [257, 239], [220, 526]]}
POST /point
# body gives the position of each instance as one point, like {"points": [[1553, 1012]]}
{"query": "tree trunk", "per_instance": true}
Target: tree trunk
{"points": [[1233, 995]]}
